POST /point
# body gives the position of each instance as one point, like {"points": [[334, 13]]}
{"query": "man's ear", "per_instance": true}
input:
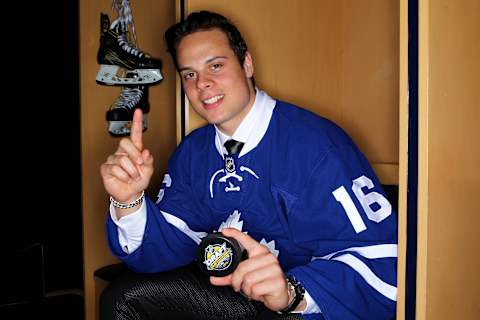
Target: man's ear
{"points": [[248, 65]]}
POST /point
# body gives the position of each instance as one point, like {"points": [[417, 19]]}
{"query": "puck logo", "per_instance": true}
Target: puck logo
{"points": [[218, 256]]}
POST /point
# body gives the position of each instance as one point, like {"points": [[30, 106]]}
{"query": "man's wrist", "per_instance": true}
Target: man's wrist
{"points": [[295, 293], [127, 205], [302, 306]]}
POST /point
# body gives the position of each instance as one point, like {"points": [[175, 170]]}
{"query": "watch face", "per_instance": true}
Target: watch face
{"points": [[296, 292], [291, 288]]}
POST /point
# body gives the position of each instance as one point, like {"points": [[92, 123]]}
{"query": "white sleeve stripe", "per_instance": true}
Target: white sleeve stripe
{"points": [[369, 252], [183, 227], [378, 284]]}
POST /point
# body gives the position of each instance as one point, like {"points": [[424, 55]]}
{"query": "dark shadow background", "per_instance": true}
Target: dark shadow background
{"points": [[41, 171]]}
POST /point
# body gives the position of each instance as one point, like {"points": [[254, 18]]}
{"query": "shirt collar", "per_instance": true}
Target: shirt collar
{"points": [[252, 128]]}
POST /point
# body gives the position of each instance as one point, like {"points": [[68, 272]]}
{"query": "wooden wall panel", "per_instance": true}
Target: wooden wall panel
{"points": [[151, 18], [337, 58], [448, 282], [403, 113], [369, 92]]}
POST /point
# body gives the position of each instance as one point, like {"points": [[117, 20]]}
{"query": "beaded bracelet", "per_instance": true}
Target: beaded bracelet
{"points": [[132, 204]]}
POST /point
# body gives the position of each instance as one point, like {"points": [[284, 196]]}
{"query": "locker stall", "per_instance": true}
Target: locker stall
{"points": [[346, 60], [448, 285], [337, 58], [152, 17]]}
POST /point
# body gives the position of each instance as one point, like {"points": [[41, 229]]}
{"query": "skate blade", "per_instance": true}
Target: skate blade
{"points": [[123, 128], [109, 75]]}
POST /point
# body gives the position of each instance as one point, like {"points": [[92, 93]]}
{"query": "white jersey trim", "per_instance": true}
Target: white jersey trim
{"points": [[369, 252], [183, 227], [378, 284]]}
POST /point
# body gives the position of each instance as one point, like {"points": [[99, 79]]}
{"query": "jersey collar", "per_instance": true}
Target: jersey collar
{"points": [[252, 129]]}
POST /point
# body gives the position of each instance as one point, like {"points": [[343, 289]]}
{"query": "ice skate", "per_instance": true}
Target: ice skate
{"points": [[120, 114], [130, 99], [123, 128], [121, 62]]}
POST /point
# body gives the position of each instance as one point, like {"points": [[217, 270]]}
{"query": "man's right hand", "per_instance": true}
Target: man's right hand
{"points": [[127, 172]]}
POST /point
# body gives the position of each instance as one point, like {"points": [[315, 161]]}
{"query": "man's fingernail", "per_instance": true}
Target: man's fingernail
{"points": [[139, 160]]}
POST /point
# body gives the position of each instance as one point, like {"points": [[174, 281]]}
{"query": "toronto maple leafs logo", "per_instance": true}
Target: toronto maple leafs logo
{"points": [[233, 221]]}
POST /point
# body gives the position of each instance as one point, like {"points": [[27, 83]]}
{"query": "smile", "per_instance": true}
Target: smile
{"points": [[213, 99]]}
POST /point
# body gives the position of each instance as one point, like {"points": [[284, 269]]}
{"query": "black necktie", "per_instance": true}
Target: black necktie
{"points": [[233, 146]]}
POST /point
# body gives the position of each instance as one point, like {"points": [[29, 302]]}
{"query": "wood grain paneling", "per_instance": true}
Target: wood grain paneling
{"points": [[151, 18], [336, 58], [448, 284], [403, 113]]}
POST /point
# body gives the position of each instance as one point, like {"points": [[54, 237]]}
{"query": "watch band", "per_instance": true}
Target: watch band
{"points": [[299, 292]]}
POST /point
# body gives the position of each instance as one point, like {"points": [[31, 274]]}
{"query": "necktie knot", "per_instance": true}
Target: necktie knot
{"points": [[233, 146]]}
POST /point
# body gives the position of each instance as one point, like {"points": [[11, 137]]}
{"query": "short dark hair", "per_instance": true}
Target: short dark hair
{"points": [[202, 21]]}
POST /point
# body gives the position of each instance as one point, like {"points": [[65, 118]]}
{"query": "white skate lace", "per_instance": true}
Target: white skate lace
{"points": [[125, 17], [122, 24], [129, 98], [128, 46]]}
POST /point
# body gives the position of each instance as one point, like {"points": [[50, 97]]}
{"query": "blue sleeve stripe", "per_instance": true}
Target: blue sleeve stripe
{"points": [[183, 227], [378, 284], [369, 252]]}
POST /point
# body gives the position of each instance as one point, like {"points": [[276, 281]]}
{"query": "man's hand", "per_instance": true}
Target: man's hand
{"points": [[260, 277], [127, 172]]}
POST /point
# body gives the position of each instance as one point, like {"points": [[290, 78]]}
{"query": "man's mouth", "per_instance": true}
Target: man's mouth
{"points": [[212, 100]]}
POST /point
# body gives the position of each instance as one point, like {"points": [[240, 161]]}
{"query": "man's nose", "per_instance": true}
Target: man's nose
{"points": [[204, 82]]}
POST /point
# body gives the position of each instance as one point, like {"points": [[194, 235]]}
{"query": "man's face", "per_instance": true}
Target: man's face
{"points": [[216, 85]]}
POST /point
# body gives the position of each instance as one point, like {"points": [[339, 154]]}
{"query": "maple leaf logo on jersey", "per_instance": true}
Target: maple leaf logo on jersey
{"points": [[270, 246], [233, 221]]}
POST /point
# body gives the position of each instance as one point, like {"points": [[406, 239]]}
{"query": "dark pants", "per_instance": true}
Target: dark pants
{"points": [[184, 293]]}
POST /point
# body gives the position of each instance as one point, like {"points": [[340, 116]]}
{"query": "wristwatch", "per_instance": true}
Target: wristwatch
{"points": [[297, 290]]}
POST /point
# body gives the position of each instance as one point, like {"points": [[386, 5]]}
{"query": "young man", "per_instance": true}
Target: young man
{"points": [[296, 193]]}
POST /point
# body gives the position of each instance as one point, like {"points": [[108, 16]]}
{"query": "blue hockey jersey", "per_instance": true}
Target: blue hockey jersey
{"points": [[304, 190]]}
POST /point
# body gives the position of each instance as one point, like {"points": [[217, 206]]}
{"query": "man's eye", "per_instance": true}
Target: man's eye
{"points": [[216, 66], [189, 75]]}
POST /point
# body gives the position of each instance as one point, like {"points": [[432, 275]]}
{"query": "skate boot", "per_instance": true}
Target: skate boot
{"points": [[120, 114], [123, 128], [116, 52], [120, 128]]}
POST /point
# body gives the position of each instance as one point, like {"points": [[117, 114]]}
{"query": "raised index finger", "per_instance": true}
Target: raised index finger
{"points": [[253, 247], [137, 129]]}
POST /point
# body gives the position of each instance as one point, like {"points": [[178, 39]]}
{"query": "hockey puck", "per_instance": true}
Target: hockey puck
{"points": [[219, 255]]}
